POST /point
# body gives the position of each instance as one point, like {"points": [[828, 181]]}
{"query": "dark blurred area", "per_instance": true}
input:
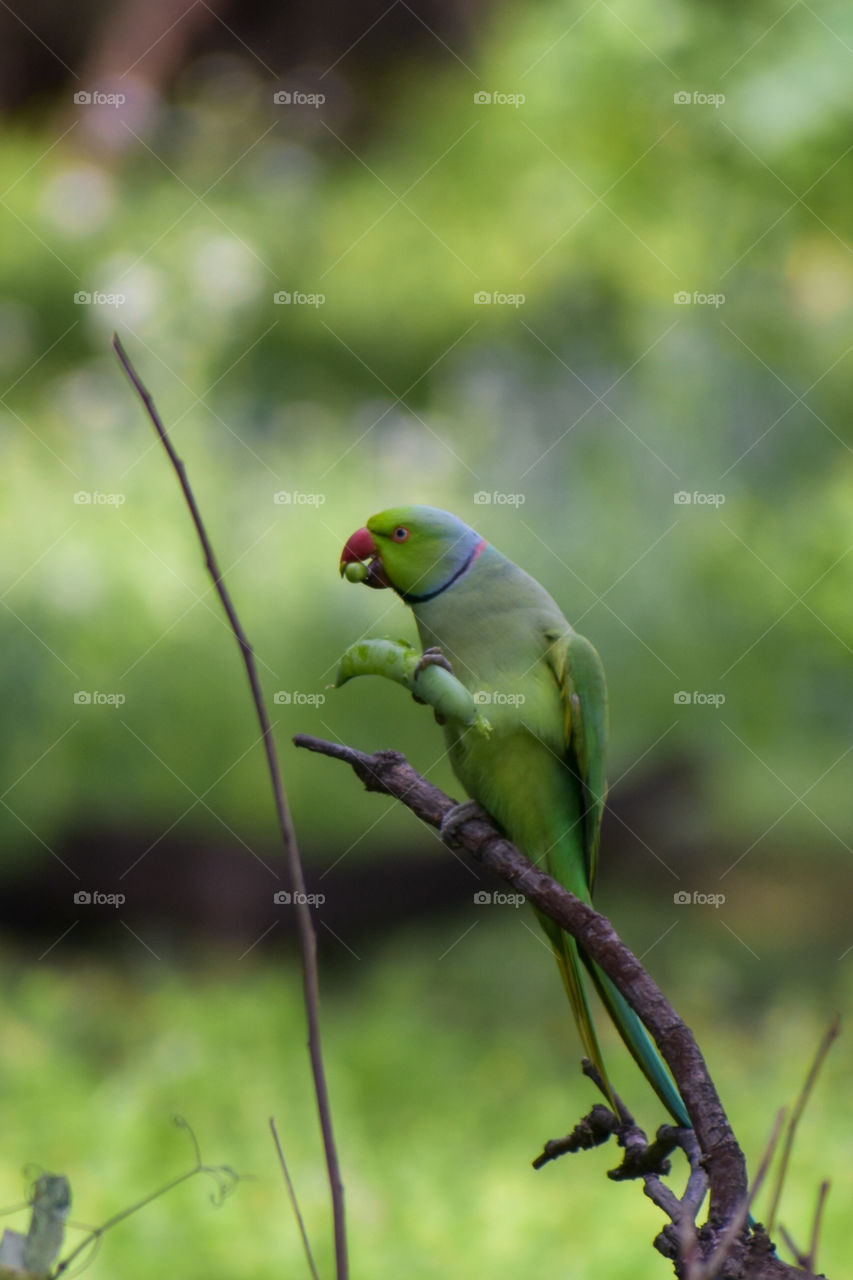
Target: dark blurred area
{"points": [[185, 893], [42, 53]]}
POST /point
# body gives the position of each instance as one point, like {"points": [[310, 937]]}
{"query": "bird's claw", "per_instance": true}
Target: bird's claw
{"points": [[432, 657], [459, 814]]}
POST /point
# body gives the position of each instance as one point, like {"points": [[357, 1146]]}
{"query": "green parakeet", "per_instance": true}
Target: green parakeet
{"points": [[540, 773]]}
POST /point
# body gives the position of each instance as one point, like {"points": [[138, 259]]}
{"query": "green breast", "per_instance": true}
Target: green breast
{"points": [[493, 625]]}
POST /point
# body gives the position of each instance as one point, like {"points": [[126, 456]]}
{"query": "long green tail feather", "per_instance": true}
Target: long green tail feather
{"points": [[638, 1042], [571, 961], [568, 959]]}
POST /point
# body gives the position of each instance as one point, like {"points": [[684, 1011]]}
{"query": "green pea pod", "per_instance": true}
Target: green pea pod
{"points": [[396, 660]]}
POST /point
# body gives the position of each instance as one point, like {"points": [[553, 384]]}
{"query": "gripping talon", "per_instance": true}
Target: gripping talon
{"points": [[432, 657], [459, 814]]}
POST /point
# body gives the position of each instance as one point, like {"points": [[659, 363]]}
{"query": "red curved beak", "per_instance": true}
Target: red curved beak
{"points": [[359, 546]]}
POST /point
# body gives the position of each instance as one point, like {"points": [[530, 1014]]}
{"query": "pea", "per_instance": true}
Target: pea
{"points": [[355, 571]]}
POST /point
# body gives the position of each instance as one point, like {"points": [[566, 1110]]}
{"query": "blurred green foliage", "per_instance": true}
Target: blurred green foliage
{"points": [[442, 1095], [599, 199]]}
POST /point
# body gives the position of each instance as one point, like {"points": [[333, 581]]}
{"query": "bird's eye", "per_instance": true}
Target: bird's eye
{"points": [[400, 534]]}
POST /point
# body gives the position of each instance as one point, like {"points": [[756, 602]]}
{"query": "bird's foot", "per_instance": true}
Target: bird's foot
{"points": [[432, 657], [459, 814]]}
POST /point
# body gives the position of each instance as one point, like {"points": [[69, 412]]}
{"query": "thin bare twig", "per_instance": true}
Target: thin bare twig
{"points": [[808, 1260], [293, 1201], [307, 935], [793, 1248], [769, 1152], [824, 1047], [811, 1260]]}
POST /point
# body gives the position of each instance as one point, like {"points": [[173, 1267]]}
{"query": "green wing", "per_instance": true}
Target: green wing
{"points": [[580, 675]]}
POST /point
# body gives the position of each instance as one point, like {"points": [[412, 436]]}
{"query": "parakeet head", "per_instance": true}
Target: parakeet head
{"points": [[416, 550]]}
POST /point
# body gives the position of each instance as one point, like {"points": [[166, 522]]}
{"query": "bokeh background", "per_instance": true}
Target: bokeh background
{"points": [[579, 272]]}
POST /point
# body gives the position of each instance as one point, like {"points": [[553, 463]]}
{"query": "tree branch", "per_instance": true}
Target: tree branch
{"points": [[748, 1253]]}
